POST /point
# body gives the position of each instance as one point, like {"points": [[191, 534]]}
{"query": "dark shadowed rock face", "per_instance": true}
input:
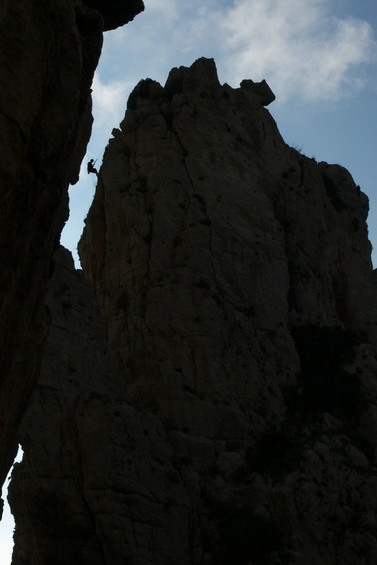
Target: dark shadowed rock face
{"points": [[227, 412], [116, 12], [48, 54], [97, 480]]}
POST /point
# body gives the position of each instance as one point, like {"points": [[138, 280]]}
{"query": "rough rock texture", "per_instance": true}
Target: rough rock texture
{"points": [[116, 12], [48, 54], [97, 484], [236, 420]]}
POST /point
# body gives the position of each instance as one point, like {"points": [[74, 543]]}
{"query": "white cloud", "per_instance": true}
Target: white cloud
{"points": [[109, 101], [297, 46], [300, 47], [167, 9]]}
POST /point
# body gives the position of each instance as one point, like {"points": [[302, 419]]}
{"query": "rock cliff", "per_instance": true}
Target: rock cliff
{"points": [[97, 483], [222, 407], [48, 55]]}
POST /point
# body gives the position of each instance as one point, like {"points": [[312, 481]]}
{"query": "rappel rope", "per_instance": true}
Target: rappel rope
{"points": [[95, 161]]}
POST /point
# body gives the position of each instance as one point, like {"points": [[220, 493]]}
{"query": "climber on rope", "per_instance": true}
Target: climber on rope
{"points": [[91, 167]]}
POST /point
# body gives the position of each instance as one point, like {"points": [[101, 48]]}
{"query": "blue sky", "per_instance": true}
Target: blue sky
{"points": [[318, 56]]}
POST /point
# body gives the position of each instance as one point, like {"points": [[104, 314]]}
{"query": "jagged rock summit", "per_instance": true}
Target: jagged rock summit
{"points": [[221, 406]]}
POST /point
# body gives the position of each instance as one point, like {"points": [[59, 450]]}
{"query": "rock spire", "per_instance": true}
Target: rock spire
{"points": [[220, 407]]}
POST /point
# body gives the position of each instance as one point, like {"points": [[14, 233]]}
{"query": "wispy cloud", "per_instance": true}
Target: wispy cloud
{"points": [[109, 101], [298, 47], [167, 9]]}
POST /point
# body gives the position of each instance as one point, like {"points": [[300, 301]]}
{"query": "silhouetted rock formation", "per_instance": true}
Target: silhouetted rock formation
{"points": [[227, 411], [48, 55], [101, 471]]}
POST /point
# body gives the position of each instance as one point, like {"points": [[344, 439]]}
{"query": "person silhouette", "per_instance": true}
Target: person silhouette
{"points": [[91, 167]]}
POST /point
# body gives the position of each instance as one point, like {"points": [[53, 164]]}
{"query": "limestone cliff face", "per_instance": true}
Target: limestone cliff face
{"points": [[48, 55], [227, 412], [210, 239], [97, 484], [235, 280]]}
